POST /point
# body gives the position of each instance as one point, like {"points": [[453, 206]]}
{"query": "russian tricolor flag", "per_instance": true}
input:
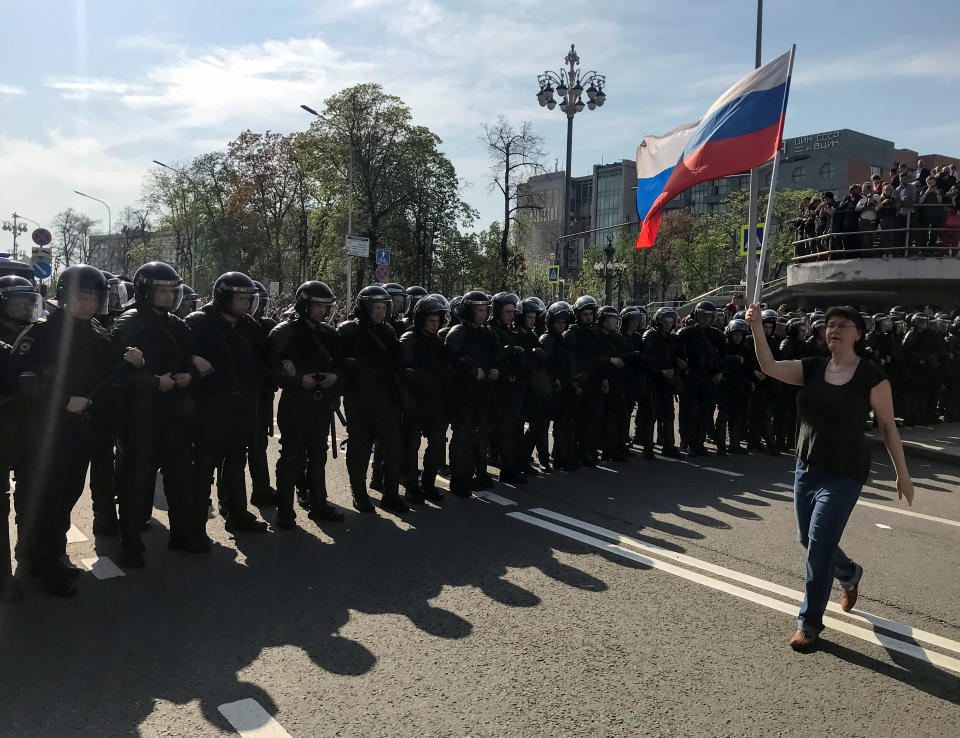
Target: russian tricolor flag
{"points": [[741, 130]]}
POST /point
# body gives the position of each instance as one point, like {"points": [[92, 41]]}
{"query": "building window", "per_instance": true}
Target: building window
{"points": [[799, 174], [875, 170], [827, 171]]}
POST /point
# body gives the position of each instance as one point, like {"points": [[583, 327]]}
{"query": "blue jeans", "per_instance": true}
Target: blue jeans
{"points": [[823, 503]]}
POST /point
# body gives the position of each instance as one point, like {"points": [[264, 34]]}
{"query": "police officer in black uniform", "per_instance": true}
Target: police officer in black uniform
{"points": [[414, 294], [10, 590], [426, 384], [190, 303], [615, 419], [662, 353], [591, 357], [508, 389], [703, 347], [307, 361], [923, 353], [103, 494], [63, 367], [538, 389], [20, 306], [766, 391], [372, 397], [633, 324], [229, 344], [561, 403], [262, 494], [472, 348], [158, 413], [733, 397]]}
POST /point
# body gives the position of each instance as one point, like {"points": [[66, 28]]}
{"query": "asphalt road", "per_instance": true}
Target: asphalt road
{"points": [[646, 598]]}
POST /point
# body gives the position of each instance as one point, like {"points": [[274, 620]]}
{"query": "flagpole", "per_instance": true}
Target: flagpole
{"points": [[768, 223], [754, 178]]}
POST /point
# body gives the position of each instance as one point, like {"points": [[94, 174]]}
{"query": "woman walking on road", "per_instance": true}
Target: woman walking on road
{"points": [[833, 458]]}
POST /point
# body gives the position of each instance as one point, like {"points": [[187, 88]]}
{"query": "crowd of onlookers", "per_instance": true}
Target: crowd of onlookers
{"points": [[913, 212]]}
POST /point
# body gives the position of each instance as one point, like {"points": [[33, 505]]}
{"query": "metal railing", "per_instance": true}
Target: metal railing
{"points": [[727, 292], [894, 240]]}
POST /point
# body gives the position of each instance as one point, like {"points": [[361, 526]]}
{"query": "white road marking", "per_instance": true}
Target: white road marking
{"points": [[909, 513], [494, 498], [75, 535], [891, 644], [891, 625], [707, 468], [250, 720], [885, 527], [719, 471], [102, 567], [781, 485]]}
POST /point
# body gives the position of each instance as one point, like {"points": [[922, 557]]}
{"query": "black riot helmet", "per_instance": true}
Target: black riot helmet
{"points": [[583, 304], [559, 311], [608, 312], [370, 296], [398, 298], [473, 302], [532, 306], [502, 300], [630, 320], [737, 325], [431, 305], [19, 300], [85, 279], [797, 328], [704, 313], [455, 304], [665, 319], [312, 293], [234, 283], [264, 298], [191, 301], [147, 284], [414, 293], [882, 322], [118, 292]]}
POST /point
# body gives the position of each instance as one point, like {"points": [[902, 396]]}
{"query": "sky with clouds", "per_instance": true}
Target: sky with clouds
{"points": [[92, 90]]}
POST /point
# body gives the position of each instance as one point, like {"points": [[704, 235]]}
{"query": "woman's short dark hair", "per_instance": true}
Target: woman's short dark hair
{"points": [[851, 314]]}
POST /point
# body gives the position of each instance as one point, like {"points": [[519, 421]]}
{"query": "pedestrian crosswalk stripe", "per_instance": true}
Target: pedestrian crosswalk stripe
{"points": [[494, 498], [909, 513], [250, 720], [102, 567], [874, 620], [887, 642]]}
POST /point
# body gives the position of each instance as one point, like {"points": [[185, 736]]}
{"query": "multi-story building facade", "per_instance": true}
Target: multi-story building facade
{"points": [[603, 199], [117, 252]]}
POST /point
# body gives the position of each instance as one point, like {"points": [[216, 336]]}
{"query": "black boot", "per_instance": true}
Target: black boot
{"points": [[56, 580]]}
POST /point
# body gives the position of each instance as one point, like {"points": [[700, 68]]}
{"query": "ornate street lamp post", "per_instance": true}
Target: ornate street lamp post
{"points": [[609, 268], [570, 84]]}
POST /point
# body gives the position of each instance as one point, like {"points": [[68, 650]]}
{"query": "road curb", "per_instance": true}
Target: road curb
{"points": [[914, 451]]}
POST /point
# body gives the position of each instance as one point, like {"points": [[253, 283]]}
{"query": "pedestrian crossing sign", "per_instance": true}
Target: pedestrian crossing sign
{"points": [[553, 273], [743, 238]]}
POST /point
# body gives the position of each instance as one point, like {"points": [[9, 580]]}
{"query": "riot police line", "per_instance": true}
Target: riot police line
{"points": [[132, 379]]}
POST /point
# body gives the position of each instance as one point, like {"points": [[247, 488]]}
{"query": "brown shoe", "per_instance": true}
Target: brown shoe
{"points": [[803, 641], [849, 598]]}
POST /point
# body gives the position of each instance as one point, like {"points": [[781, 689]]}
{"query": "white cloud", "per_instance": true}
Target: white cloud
{"points": [[41, 175], [11, 90], [82, 88]]}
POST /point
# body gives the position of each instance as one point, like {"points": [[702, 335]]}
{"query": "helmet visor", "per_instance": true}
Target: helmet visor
{"points": [[22, 307], [118, 296], [166, 295]]}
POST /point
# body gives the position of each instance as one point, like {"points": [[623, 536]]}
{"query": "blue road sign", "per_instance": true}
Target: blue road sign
{"points": [[383, 257], [42, 270], [553, 274], [743, 238]]}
